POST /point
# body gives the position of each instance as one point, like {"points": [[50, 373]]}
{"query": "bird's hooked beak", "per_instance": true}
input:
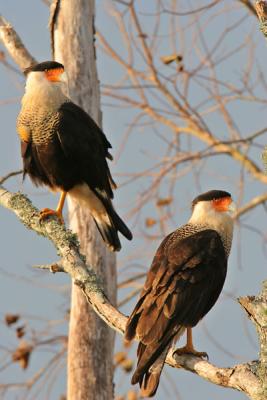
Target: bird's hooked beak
{"points": [[224, 204], [64, 78], [232, 208]]}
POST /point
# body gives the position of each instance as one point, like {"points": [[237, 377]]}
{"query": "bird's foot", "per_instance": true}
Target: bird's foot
{"points": [[190, 351], [47, 212]]}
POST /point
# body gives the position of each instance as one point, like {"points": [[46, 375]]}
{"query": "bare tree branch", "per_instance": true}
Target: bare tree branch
{"points": [[241, 377], [9, 175], [14, 45], [54, 10], [194, 11], [250, 6], [192, 126], [251, 204]]}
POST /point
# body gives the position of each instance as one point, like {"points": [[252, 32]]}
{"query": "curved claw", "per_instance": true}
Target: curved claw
{"points": [[47, 212], [190, 351]]}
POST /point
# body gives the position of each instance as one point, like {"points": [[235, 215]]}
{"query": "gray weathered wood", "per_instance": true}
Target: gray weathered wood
{"points": [[90, 351]]}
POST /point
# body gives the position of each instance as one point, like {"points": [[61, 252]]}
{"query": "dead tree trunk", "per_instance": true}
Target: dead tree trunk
{"points": [[90, 348]]}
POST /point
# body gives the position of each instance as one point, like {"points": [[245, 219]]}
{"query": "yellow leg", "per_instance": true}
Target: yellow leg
{"points": [[46, 212], [189, 347], [61, 204]]}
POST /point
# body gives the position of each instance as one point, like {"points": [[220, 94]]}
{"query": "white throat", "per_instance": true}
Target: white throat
{"points": [[41, 92], [207, 217]]}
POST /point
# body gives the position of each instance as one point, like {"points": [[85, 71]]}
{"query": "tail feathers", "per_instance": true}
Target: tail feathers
{"points": [[109, 235], [151, 359], [149, 380], [109, 223], [120, 225], [109, 227]]}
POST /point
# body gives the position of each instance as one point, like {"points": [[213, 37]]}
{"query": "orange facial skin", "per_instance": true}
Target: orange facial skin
{"points": [[53, 75], [222, 204]]}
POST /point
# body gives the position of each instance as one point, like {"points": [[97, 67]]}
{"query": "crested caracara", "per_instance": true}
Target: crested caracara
{"points": [[184, 281], [64, 149]]}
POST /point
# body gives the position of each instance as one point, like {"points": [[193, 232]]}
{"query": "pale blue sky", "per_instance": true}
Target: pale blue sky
{"points": [[36, 294]]}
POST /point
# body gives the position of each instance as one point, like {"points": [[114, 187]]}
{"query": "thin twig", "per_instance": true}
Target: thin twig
{"points": [[9, 175]]}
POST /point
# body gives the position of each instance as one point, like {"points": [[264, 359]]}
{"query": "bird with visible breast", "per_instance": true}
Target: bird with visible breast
{"points": [[63, 148], [185, 280]]}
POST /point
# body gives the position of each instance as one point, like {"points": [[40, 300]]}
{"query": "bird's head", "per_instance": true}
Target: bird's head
{"points": [[47, 75], [213, 208]]}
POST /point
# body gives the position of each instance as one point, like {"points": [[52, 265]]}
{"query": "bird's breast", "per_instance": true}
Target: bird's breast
{"points": [[41, 122]]}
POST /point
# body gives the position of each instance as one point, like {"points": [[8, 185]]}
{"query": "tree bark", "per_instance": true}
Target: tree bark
{"points": [[91, 341]]}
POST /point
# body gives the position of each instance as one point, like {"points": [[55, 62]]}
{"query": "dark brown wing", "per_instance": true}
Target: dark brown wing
{"points": [[92, 130], [183, 283], [31, 164], [74, 152], [86, 147]]}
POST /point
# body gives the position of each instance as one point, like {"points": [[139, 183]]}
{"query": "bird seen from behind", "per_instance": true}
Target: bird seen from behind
{"points": [[184, 282]]}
